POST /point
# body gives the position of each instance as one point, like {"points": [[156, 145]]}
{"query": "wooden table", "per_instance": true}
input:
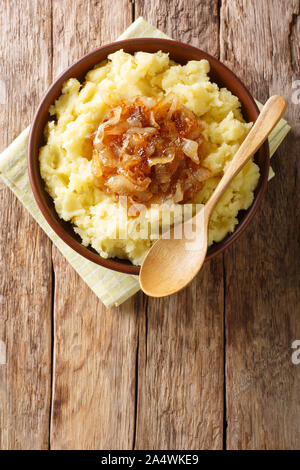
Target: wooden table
{"points": [[208, 368]]}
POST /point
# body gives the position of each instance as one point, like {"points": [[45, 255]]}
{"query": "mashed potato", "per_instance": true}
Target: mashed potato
{"points": [[65, 160]]}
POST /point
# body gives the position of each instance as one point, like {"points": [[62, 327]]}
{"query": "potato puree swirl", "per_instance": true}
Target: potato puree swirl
{"points": [[67, 163]]}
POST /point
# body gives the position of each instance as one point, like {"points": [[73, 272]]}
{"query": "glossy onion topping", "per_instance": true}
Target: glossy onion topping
{"points": [[150, 151]]}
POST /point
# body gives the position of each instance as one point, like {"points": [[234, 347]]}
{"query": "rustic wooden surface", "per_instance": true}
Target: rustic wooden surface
{"points": [[25, 251], [208, 368]]}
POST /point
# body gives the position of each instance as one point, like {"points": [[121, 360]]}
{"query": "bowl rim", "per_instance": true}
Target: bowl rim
{"points": [[112, 263]]}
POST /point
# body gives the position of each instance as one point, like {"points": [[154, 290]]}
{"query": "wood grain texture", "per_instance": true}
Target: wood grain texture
{"points": [[25, 250], [180, 367], [94, 348], [195, 22], [180, 362], [94, 368], [262, 267], [150, 374], [79, 27]]}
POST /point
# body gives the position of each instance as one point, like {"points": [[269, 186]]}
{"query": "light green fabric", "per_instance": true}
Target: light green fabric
{"points": [[111, 287]]}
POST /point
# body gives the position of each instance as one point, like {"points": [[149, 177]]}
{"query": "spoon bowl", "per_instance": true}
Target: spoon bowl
{"points": [[163, 272]]}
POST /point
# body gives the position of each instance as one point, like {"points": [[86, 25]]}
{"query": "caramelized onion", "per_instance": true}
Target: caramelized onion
{"points": [[121, 185], [141, 130], [190, 148], [162, 174], [110, 122], [167, 158], [152, 120], [202, 174], [178, 196], [151, 151]]}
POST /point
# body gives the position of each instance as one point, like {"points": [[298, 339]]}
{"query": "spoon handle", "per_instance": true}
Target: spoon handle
{"points": [[268, 118]]}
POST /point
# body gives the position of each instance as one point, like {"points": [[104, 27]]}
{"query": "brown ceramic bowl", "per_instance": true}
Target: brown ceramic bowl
{"points": [[181, 53]]}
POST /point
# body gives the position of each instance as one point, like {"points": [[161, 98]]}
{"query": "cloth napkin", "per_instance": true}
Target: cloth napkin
{"points": [[111, 287]]}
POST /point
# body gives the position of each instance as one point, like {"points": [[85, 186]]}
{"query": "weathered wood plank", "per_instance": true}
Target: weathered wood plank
{"points": [[94, 368], [25, 251], [95, 348], [180, 381], [180, 361], [195, 22], [260, 40]]}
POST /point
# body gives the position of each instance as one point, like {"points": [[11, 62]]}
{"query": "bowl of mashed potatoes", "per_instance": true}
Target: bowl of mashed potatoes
{"points": [[133, 134]]}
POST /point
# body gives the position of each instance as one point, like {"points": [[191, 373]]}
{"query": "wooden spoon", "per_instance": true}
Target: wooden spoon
{"points": [[171, 264]]}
